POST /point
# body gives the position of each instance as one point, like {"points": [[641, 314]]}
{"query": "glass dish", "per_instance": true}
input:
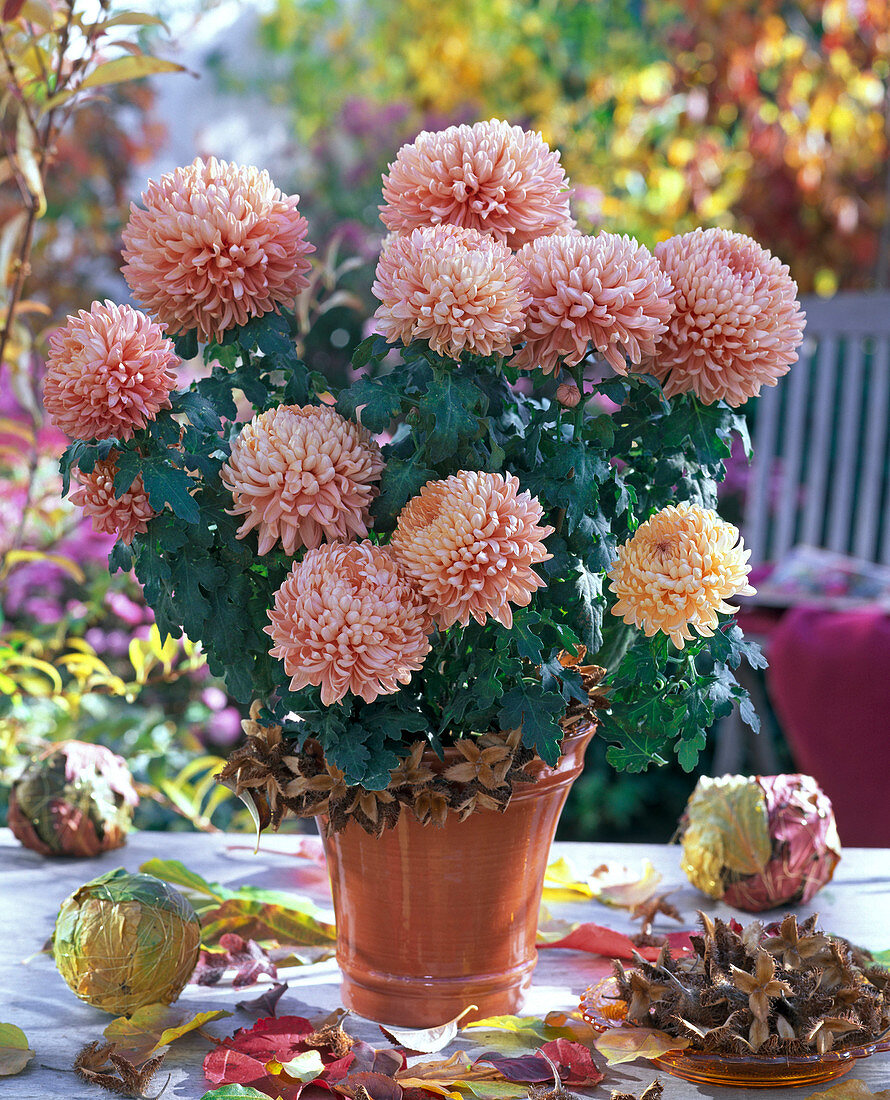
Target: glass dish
{"points": [[755, 1072], [750, 1071]]}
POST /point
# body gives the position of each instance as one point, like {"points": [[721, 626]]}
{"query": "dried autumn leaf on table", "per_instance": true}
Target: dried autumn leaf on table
{"points": [[612, 884], [368, 1059], [98, 1064], [15, 1053], [626, 1044], [155, 1026], [527, 1069], [304, 1068], [574, 1062], [427, 1040], [263, 921], [241, 1059], [650, 1092], [458, 1072], [369, 1086], [258, 1056], [266, 1003], [515, 1033], [562, 883], [331, 1037], [619, 886], [245, 957], [851, 1090], [250, 911], [599, 940]]}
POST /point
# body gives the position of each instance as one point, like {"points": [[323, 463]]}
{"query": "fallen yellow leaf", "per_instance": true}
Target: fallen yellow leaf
{"points": [[625, 1044]]}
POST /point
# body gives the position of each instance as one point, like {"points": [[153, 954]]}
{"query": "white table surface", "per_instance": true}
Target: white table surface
{"points": [[33, 995]]}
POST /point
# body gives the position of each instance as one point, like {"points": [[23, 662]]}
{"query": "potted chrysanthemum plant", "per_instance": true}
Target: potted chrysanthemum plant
{"points": [[433, 586]]}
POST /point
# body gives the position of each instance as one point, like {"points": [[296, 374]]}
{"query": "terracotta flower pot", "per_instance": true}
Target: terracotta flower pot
{"points": [[431, 920]]}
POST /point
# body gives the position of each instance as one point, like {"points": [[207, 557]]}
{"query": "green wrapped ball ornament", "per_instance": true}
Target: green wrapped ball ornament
{"points": [[125, 940]]}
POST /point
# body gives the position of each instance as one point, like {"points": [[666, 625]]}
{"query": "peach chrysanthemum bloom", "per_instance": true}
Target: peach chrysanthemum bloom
{"points": [[216, 244], [736, 324], [468, 544], [608, 291], [126, 516], [677, 571], [107, 373], [457, 288], [490, 176], [347, 619], [300, 475]]}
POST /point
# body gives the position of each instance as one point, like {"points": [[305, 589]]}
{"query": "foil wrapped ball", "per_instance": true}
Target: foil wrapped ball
{"points": [[75, 799], [759, 842], [126, 940]]}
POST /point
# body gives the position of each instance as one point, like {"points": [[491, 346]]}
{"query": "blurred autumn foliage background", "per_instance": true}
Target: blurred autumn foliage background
{"points": [[767, 117]]}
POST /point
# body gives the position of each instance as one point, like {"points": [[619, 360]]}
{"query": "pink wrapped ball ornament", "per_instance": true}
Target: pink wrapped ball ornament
{"points": [[759, 842]]}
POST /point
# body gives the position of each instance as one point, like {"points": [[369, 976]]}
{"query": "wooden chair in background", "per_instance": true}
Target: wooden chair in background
{"points": [[820, 478]]}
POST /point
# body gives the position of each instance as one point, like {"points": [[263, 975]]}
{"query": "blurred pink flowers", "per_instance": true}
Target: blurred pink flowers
{"points": [[736, 324], [608, 291], [457, 288], [468, 543], [216, 244], [490, 176], [300, 475], [347, 620], [108, 373]]}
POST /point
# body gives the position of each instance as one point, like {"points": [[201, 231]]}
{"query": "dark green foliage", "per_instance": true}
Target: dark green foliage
{"points": [[596, 475]]}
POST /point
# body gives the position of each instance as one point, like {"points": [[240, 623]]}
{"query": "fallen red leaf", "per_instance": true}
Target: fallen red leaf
{"points": [[599, 940], [574, 1062], [241, 1059]]}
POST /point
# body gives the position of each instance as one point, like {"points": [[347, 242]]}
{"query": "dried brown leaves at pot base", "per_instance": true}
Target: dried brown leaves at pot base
{"points": [[784, 990], [281, 781], [97, 1064]]}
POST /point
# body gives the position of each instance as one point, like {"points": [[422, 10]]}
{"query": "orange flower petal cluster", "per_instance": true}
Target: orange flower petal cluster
{"points": [[347, 619], [300, 475], [457, 288], [490, 176], [608, 291], [736, 324], [677, 571], [107, 373], [216, 244], [125, 516], [468, 544]]}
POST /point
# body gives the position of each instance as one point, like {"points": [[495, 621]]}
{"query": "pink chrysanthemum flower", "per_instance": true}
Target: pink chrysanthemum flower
{"points": [[126, 516], [468, 543], [107, 373], [347, 619], [216, 244], [490, 176], [736, 324], [608, 291], [457, 288], [300, 475], [677, 571]]}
